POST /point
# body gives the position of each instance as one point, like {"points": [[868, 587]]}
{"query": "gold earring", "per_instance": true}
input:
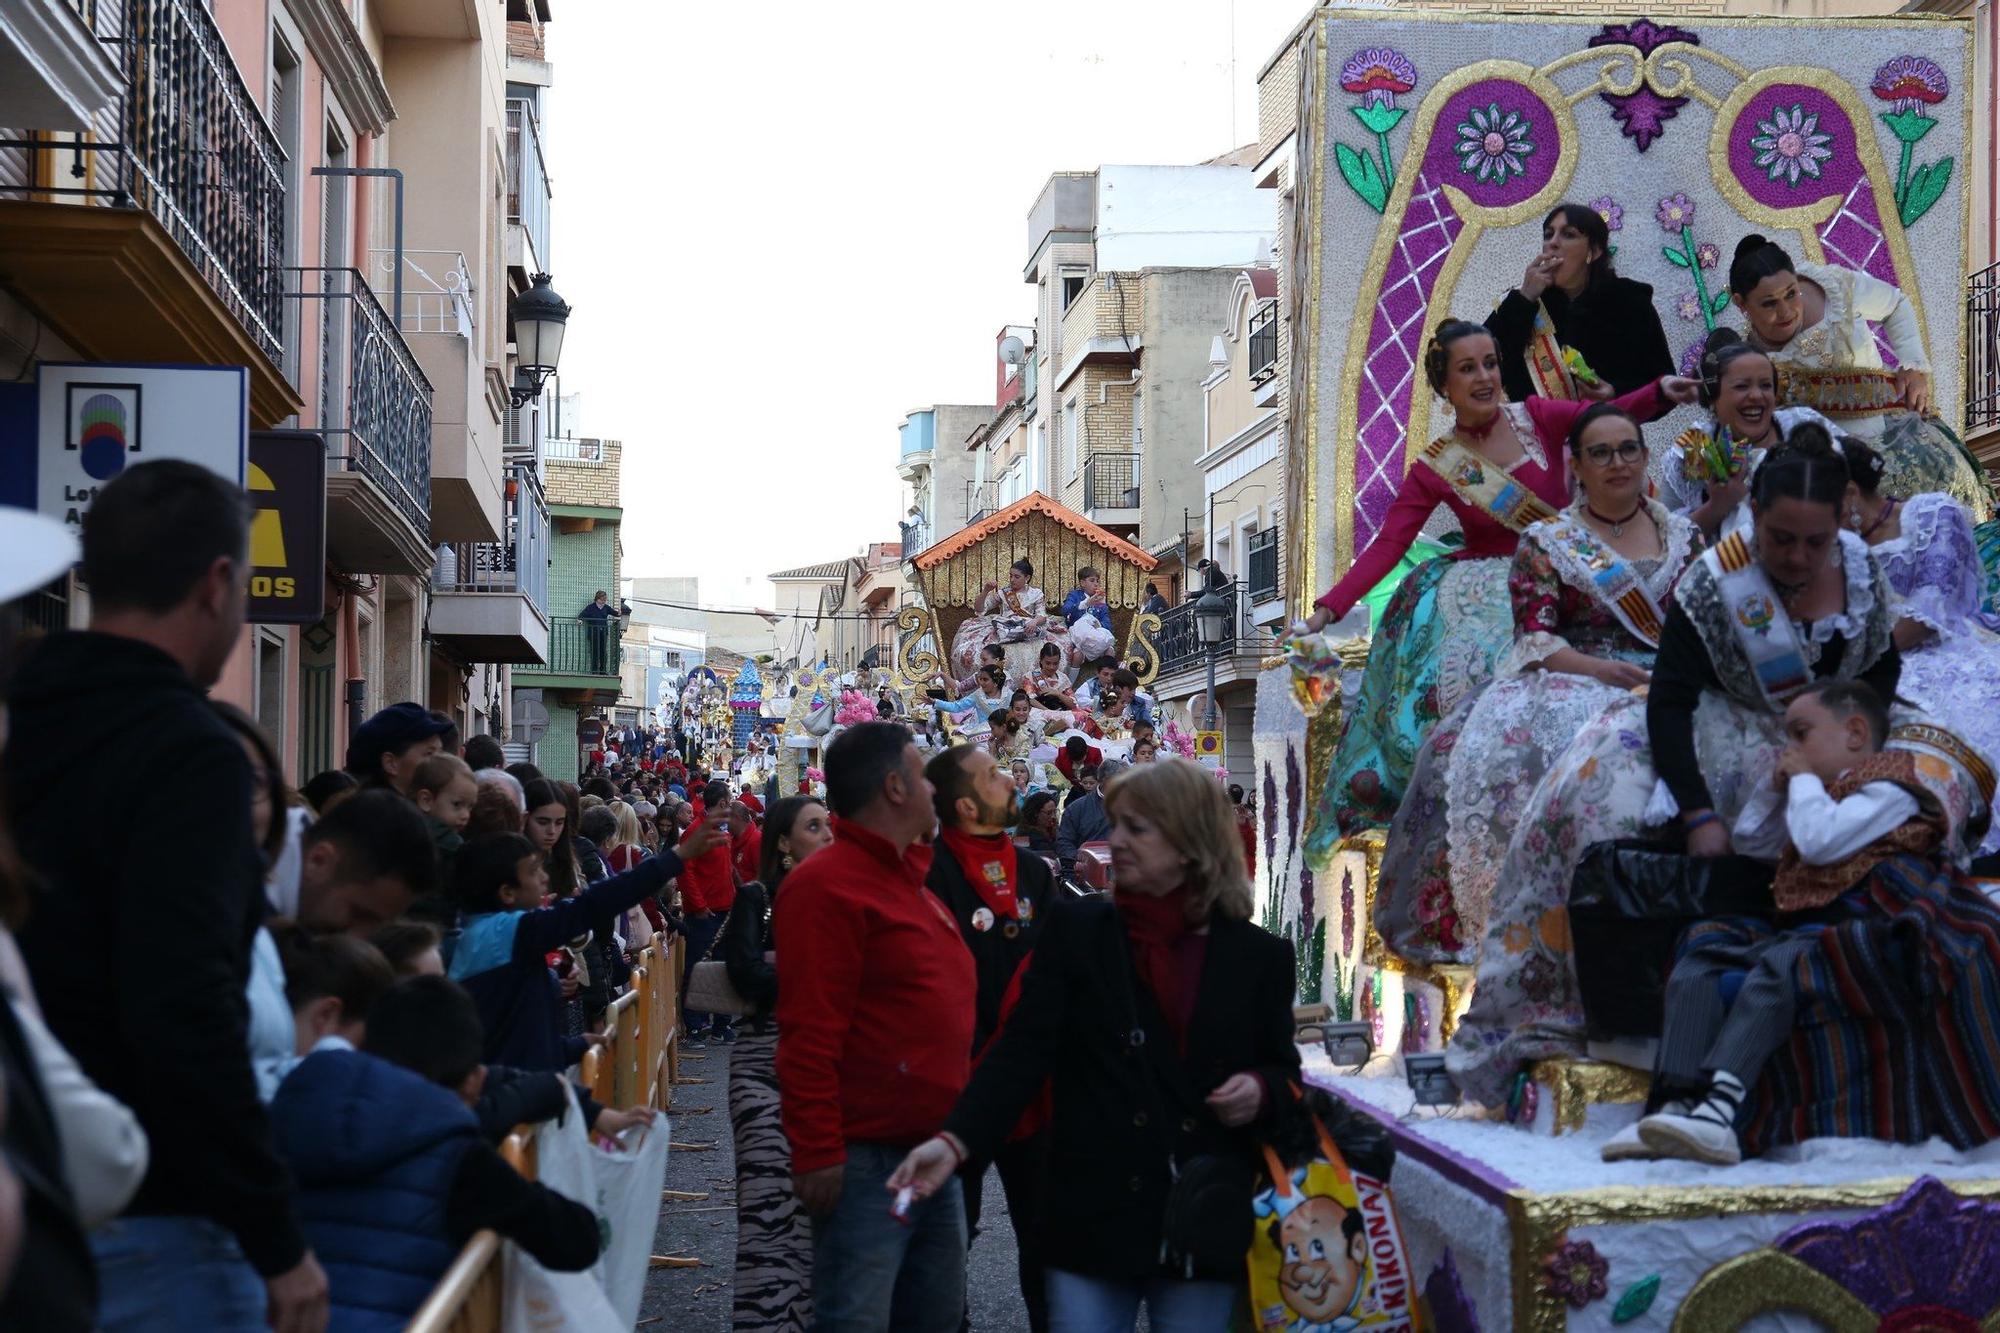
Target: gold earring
{"points": [[785, 861]]}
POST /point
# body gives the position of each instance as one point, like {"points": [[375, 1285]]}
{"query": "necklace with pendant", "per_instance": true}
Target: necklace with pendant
{"points": [[1617, 525]]}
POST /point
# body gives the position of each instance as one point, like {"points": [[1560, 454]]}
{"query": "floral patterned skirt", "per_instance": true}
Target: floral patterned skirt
{"points": [[1437, 640], [1955, 682], [1471, 783], [1525, 1005], [1922, 454], [1023, 648], [1987, 534]]}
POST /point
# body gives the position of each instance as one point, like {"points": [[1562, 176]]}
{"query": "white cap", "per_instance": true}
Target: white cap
{"points": [[34, 549]]}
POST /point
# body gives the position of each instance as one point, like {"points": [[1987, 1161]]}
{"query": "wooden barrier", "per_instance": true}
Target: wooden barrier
{"points": [[635, 1067]]}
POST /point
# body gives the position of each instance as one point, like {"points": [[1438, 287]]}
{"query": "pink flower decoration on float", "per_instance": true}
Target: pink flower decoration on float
{"points": [[1576, 1272], [1674, 212], [1790, 144], [1608, 209], [1690, 369], [1908, 80], [1379, 74], [1707, 255], [1689, 306], [1492, 144]]}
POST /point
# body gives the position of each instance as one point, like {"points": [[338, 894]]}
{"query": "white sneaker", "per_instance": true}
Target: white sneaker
{"points": [[1691, 1138], [1627, 1146]]}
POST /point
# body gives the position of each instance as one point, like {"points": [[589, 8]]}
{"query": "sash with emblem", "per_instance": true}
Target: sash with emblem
{"points": [[1486, 485], [1588, 564], [1758, 620], [1547, 366]]}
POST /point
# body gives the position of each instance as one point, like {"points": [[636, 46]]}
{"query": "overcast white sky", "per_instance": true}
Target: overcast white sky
{"points": [[784, 225]]}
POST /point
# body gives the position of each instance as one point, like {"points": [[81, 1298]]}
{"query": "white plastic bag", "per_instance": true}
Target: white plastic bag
{"points": [[623, 1189]]}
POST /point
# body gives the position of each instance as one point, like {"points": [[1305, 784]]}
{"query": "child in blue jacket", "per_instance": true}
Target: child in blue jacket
{"points": [[499, 881]]}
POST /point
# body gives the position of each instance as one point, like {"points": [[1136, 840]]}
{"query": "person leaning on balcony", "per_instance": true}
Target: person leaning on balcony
{"points": [[597, 619]]}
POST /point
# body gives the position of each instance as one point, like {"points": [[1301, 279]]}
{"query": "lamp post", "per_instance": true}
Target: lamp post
{"points": [[539, 318], [1211, 627]]}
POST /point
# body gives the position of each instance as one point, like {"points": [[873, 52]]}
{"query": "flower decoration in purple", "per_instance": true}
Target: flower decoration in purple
{"points": [[1688, 306], [1378, 74], [1675, 214], [1690, 366], [1452, 1311], [1643, 114], [1910, 1262], [1791, 144], [1707, 254], [1576, 1273], [1675, 211], [1911, 84], [1608, 209], [1493, 144]]}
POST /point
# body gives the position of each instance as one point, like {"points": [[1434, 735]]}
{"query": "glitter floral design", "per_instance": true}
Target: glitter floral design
{"points": [[1910, 84], [1378, 76], [1608, 209], [1346, 911], [1576, 1273], [1790, 144], [1689, 306], [1690, 366], [1642, 114], [1492, 144], [1675, 214]]}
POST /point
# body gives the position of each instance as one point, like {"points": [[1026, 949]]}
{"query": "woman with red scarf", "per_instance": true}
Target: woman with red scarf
{"points": [[1162, 1019]]}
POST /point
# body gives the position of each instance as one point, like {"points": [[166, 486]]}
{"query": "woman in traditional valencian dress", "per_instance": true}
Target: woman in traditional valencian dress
{"points": [[1813, 320], [1706, 471], [1758, 616], [1571, 298], [1589, 589], [1017, 618], [1501, 469], [1951, 651]]}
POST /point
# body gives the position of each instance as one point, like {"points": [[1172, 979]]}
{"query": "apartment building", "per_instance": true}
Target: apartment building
{"points": [[935, 459], [227, 185]]}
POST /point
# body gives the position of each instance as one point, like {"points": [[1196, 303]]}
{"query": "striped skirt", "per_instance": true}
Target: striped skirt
{"points": [[773, 1236], [1895, 1034]]}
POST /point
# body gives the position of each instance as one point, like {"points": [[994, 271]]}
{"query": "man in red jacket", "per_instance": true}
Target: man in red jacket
{"points": [[708, 890], [746, 844], [876, 1005]]}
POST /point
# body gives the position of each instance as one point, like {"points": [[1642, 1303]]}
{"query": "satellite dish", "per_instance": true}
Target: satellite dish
{"points": [[1013, 351]]}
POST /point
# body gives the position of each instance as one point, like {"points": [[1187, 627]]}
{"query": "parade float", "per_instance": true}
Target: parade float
{"points": [[956, 574], [1427, 149]]}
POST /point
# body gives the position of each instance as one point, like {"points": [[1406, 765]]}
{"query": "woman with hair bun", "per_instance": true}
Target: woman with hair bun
{"points": [[1814, 321], [1739, 395], [1950, 648], [1502, 468], [1758, 617], [1571, 298]]}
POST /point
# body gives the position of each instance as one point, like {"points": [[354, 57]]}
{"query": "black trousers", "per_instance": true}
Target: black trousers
{"points": [[1024, 1175]]}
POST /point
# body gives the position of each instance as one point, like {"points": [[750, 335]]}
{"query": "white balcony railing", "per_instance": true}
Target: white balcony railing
{"points": [[438, 292]]}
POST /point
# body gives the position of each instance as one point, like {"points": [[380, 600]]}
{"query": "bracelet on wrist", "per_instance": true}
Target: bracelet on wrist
{"points": [[957, 1151], [1694, 822]]}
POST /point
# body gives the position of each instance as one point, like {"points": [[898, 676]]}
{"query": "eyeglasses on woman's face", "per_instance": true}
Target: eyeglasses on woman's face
{"points": [[1625, 451]]}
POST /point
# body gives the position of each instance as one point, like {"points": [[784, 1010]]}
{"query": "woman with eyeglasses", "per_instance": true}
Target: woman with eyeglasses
{"points": [[1589, 590]]}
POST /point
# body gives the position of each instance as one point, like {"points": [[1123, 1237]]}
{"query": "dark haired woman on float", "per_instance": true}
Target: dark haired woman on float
{"points": [[1501, 467], [1739, 395], [1015, 617], [1761, 614], [1815, 321], [1572, 297], [1951, 651], [1589, 595]]}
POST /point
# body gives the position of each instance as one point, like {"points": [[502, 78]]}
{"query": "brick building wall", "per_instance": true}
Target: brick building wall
{"points": [[577, 481]]}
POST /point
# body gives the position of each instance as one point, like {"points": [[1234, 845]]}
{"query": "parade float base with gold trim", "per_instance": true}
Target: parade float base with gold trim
{"points": [[1836, 1234]]}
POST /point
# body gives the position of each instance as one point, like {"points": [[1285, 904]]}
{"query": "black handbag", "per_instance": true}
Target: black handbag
{"points": [[1629, 902], [1207, 1225]]}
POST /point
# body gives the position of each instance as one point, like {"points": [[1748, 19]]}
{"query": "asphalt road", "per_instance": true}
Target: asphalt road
{"points": [[700, 1298]]}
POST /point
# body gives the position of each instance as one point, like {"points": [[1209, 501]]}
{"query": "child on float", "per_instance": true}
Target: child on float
{"points": [[1849, 805]]}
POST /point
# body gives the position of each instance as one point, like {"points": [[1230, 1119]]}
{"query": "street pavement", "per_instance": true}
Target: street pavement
{"points": [[700, 1298]]}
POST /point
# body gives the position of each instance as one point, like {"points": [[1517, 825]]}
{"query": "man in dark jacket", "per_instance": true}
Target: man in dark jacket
{"points": [[1083, 818], [994, 893], [139, 945]]}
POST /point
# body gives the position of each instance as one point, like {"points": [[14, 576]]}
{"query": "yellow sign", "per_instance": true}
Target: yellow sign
{"points": [[1208, 744]]}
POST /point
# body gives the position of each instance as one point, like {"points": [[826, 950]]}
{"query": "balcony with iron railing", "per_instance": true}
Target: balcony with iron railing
{"points": [[916, 536], [1982, 363], [1111, 488], [1179, 642], [375, 411], [490, 600], [527, 190], [159, 235], [584, 655]]}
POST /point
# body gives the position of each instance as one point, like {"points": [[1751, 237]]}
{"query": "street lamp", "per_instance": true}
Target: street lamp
{"points": [[1211, 627], [539, 318]]}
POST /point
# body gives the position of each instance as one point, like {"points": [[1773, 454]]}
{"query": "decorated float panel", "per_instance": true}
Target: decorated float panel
{"points": [[954, 574], [1429, 147]]}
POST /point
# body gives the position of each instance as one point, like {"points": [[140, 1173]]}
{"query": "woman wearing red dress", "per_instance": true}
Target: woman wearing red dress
{"points": [[1502, 467]]}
